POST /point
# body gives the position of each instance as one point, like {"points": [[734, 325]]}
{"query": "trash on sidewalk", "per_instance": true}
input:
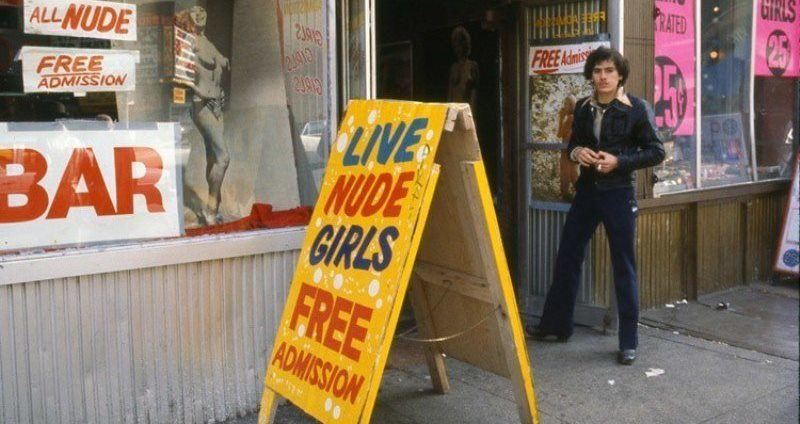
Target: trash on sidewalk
{"points": [[669, 305], [654, 372], [682, 302], [611, 382], [723, 306]]}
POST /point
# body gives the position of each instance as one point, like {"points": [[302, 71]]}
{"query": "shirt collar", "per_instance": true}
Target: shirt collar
{"points": [[621, 98]]}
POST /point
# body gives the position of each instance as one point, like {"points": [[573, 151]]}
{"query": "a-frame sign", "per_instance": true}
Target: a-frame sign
{"points": [[396, 169]]}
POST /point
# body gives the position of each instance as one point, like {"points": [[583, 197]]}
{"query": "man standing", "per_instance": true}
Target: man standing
{"points": [[613, 134]]}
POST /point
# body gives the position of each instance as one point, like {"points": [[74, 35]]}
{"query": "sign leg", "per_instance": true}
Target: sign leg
{"points": [[512, 337], [433, 355], [269, 404]]}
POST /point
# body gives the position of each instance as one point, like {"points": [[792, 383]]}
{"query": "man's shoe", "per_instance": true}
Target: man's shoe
{"points": [[537, 333], [626, 357]]}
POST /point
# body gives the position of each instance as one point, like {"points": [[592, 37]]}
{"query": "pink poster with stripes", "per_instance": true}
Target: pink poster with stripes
{"points": [[777, 47], [675, 65]]}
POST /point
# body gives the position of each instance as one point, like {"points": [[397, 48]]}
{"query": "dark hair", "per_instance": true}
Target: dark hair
{"points": [[602, 54]]}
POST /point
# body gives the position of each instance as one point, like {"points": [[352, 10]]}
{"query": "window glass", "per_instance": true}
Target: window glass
{"points": [[244, 84], [725, 86], [674, 95]]}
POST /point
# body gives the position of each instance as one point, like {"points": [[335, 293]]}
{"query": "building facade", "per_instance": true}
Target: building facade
{"points": [[123, 317]]}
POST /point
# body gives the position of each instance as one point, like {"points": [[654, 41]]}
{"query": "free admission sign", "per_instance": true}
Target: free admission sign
{"points": [[354, 264], [61, 186], [365, 246], [81, 18], [51, 69], [563, 58], [777, 38]]}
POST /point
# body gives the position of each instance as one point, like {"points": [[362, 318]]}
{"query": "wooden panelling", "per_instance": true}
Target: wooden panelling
{"points": [[720, 246], [660, 259], [764, 219]]}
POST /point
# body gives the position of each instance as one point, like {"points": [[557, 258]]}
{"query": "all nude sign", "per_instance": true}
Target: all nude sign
{"points": [[81, 18]]}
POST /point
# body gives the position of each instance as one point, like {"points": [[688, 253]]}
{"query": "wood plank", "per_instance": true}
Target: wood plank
{"points": [[427, 329], [484, 222], [466, 284]]}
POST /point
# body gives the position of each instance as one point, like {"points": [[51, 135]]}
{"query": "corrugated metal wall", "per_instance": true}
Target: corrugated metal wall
{"points": [[764, 216], [183, 343], [546, 226], [661, 241]]}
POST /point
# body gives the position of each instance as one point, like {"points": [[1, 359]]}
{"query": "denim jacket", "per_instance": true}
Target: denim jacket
{"points": [[628, 131]]}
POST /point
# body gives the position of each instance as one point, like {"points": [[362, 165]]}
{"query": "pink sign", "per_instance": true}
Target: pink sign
{"points": [[777, 50], [674, 73]]}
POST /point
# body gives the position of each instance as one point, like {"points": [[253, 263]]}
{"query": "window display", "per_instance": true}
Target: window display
{"points": [[244, 84], [748, 76]]}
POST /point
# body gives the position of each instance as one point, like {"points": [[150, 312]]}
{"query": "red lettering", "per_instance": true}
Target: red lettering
{"points": [[122, 21], [82, 165], [96, 63], [127, 186], [320, 314], [337, 324], [34, 168], [356, 331], [62, 61], [400, 191], [301, 308], [46, 62]]}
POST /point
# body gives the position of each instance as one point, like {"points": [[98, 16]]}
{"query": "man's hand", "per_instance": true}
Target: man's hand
{"points": [[587, 157], [606, 162]]}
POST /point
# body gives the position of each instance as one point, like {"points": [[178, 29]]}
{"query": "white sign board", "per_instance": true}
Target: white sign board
{"points": [[81, 18], [563, 58], [68, 187], [788, 258], [52, 69]]}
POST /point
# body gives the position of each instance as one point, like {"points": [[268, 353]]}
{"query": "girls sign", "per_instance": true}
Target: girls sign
{"points": [[356, 261], [777, 36], [674, 72]]}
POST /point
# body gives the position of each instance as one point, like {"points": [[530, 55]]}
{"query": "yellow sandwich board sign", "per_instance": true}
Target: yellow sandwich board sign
{"points": [[365, 244]]}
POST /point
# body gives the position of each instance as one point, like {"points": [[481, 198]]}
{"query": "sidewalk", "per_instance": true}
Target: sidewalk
{"points": [[706, 378]]}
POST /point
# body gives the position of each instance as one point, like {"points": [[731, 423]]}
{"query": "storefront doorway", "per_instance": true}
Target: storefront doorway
{"points": [[445, 51]]}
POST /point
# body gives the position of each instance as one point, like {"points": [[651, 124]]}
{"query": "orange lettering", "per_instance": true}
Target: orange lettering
{"points": [[34, 167], [127, 186], [82, 164]]}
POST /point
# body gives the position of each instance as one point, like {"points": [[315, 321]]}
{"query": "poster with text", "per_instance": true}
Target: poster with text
{"points": [[675, 66], [354, 266], [66, 70], [77, 182], [777, 38], [108, 20], [788, 258]]}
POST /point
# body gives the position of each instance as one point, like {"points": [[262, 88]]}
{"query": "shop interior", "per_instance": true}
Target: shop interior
{"points": [[445, 51]]}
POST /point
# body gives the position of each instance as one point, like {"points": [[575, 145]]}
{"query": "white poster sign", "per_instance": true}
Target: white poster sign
{"points": [[81, 18], [52, 69], [70, 187], [563, 58], [788, 258]]}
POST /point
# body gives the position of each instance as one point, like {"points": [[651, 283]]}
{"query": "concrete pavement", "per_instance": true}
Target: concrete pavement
{"points": [[714, 374]]}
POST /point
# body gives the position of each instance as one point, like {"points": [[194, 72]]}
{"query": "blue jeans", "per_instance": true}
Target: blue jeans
{"points": [[617, 210]]}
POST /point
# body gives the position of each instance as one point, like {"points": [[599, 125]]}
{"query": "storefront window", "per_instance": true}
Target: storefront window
{"points": [[235, 92], [725, 87], [747, 82], [674, 95]]}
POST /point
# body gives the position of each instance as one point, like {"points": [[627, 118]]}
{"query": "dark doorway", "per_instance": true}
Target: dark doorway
{"points": [[417, 60]]}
